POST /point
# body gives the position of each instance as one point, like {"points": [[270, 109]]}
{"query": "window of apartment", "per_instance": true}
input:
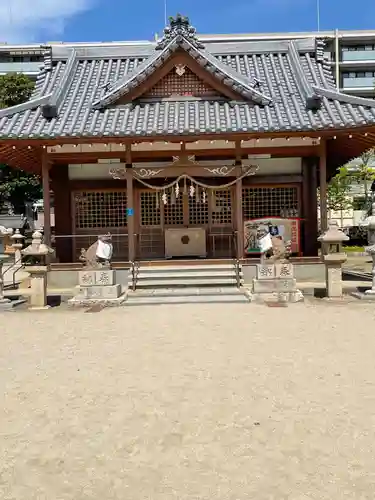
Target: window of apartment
{"points": [[358, 48], [359, 74]]}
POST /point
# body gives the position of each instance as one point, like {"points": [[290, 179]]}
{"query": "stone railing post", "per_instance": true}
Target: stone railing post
{"points": [[38, 272], [333, 257]]}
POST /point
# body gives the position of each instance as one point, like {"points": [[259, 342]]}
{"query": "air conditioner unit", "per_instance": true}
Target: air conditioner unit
{"points": [[185, 242]]}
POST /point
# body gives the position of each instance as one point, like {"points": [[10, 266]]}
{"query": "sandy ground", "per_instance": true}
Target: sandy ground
{"points": [[189, 402]]}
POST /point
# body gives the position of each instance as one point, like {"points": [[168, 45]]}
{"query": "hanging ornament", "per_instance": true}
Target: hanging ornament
{"points": [[173, 197], [204, 197], [164, 198], [197, 195], [192, 191], [177, 190]]}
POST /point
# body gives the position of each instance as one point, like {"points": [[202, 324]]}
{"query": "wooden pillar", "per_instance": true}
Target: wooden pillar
{"points": [[239, 220], [130, 213], [309, 206], [46, 199], [63, 213], [323, 187]]}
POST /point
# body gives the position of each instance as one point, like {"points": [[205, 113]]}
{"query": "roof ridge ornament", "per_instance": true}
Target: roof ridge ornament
{"points": [[179, 27]]}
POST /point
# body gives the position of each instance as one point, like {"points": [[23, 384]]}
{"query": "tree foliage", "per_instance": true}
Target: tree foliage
{"points": [[338, 194], [17, 186], [15, 88], [362, 173]]}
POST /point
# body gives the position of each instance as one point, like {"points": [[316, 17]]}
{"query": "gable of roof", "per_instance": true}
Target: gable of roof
{"points": [[286, 86], [180, 36]]}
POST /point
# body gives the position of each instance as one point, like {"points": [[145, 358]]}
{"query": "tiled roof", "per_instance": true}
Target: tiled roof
{"points": [[282, 87]]}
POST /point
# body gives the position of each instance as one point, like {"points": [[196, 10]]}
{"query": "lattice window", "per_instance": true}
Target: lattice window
{"points": [[259, 202], [198, 211], [100, 209], [221, 203], [150, 208], [174, 211], [186, 84]]}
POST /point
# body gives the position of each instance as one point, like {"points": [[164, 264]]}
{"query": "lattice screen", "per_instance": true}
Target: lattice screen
{"points": [[174, 212], [198, 212], [186, 84], [258, 202], [221, 203], [99, 209], [150, 208]]}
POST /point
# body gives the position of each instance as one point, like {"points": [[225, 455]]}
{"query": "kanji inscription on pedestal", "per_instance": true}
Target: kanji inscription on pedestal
{"points": [[284, 270], [265, 271]]}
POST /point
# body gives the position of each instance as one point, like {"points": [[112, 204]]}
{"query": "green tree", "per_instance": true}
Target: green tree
{"points": [[17, 186], [338, 195], [15, 88], [363, 174]]}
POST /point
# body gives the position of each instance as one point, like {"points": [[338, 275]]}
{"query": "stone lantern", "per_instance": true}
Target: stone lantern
{"points": [[7, 242], [333, 257], [17, 243], [38, 272]]}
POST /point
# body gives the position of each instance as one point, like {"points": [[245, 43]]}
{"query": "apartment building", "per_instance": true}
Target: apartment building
{"points": [[352, 55]]}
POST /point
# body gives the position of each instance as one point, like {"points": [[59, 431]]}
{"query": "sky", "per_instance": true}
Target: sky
{"points": [[27, 21]]}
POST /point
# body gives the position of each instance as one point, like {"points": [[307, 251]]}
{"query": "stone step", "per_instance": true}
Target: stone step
{"points": [[190, 299], [188, 276], [184, 292], [185, 282], [183, 268]]}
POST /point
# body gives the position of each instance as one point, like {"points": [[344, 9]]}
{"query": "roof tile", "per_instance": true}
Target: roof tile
{"points": [[293, 74]]}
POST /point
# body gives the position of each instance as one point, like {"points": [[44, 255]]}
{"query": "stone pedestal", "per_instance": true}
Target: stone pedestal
{"points": [[98, 286], [38, 287], [275, 283], [333, 263]]}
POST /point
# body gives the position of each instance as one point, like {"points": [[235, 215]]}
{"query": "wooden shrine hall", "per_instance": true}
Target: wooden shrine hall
{"points": [[184, 146]]}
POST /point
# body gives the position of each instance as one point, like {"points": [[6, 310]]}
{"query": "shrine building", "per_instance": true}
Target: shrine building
{"points": [[183, 146]]}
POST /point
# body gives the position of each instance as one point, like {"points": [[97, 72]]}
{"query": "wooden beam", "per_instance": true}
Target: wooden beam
{"points": [[282, 152]]}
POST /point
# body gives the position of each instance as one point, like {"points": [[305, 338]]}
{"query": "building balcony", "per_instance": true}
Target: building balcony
{"points": [[29, 68], [358, 55], [366, 82]]}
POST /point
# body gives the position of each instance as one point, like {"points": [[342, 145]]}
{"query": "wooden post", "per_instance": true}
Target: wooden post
{"points": [[239, 220], [309, 206], [130, 213], [46, 199], [64, 222], [323, 187]]}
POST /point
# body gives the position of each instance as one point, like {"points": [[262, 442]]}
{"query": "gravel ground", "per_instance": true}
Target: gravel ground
{"points": [[189, 402]]}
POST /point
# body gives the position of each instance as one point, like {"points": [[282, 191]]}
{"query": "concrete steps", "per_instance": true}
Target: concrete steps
{"points": [[185, 276], [186, 296], [183, 284]]}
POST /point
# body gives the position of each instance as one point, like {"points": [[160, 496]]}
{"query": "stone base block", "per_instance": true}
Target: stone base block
{"points": [[8, 305], [291, 297], [99, 292], [102, 277], [370, 297], [274, 285], [81, 301]]}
